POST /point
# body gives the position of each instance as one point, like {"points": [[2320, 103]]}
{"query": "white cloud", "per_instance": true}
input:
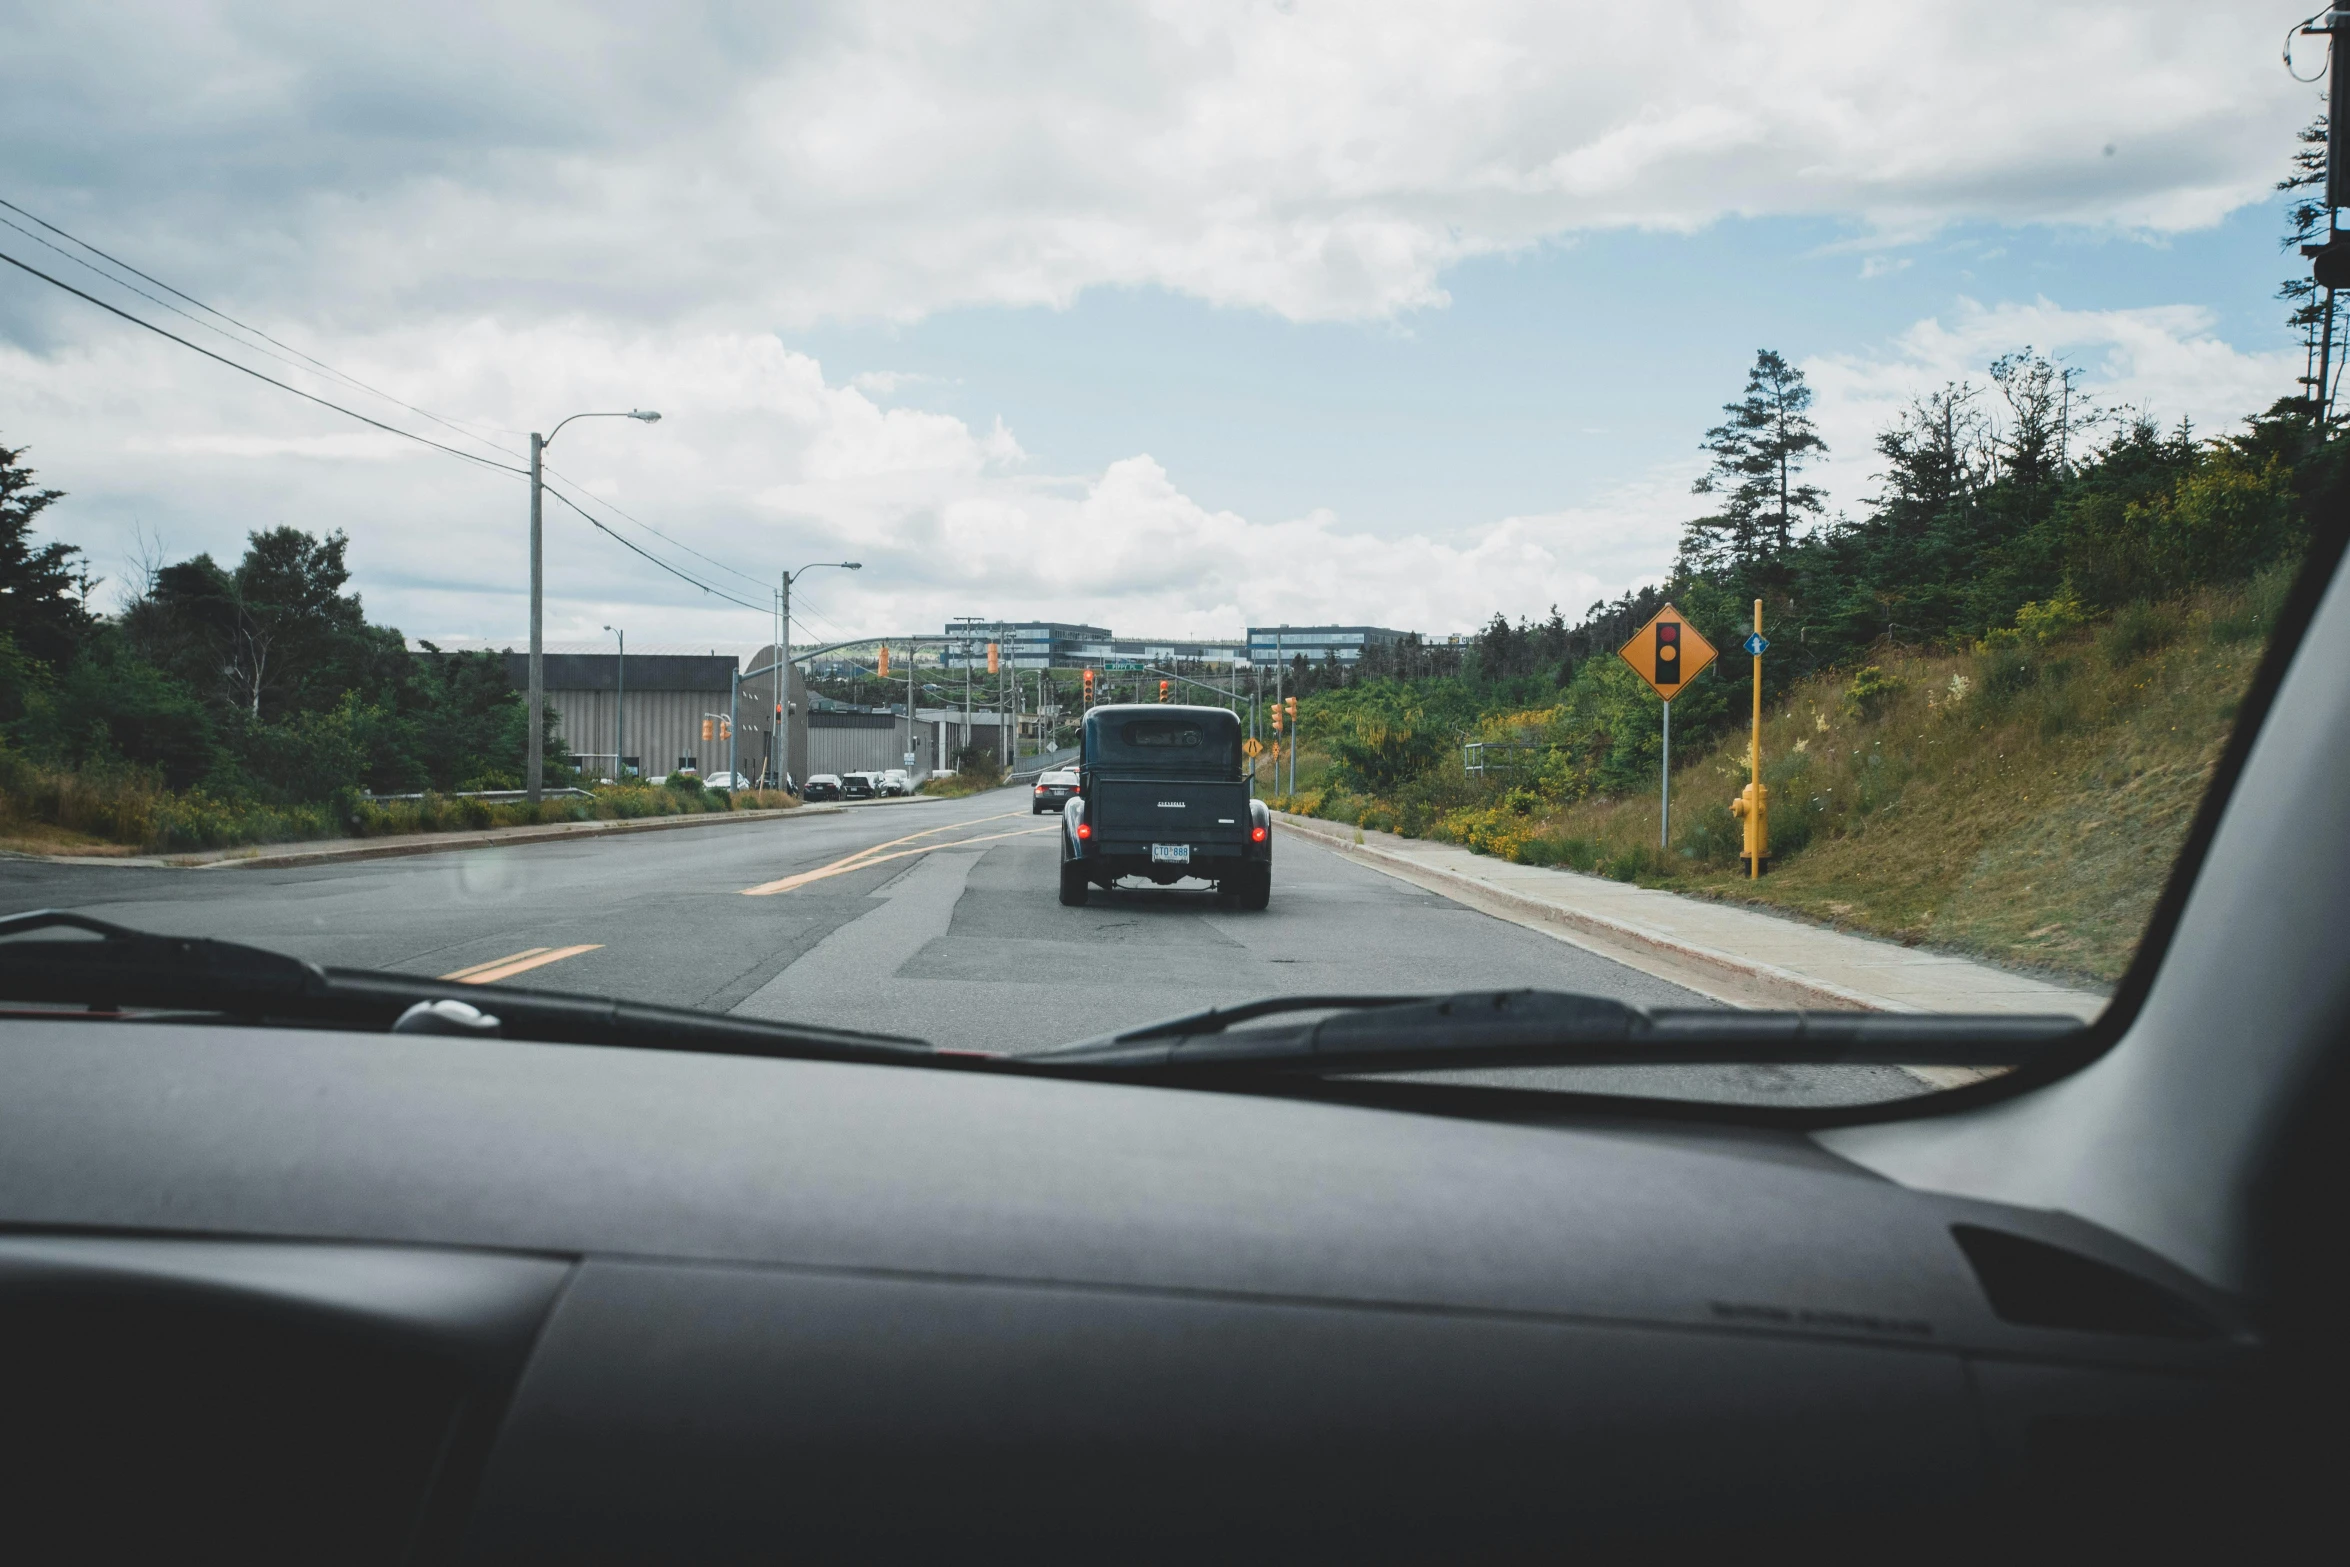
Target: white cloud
{"points": [[2165, 361], [1323, 160], [500, 211], [758, 460]]}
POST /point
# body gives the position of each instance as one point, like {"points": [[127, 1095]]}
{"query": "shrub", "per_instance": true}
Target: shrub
{"points": [[1871, 692], [2135, 630], [2255, 614]]}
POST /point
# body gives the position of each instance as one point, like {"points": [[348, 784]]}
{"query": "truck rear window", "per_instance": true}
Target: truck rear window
{"points": [[1193, 746]]}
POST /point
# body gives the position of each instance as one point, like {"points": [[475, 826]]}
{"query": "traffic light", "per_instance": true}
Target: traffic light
{"points": [[1163, 688], [1276, 719], [1089, 688], [706, 729], [885, 660], [1668, 652], [992, 664], [1293, 714]]}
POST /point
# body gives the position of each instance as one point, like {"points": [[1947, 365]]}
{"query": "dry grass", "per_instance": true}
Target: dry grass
{"points": [[2023, 803]]}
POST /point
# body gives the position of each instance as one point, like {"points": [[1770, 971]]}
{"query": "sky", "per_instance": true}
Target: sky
{"points": [[1168, 317]]}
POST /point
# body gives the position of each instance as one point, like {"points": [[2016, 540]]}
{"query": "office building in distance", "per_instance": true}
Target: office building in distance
{"points": [[1282, 644]]}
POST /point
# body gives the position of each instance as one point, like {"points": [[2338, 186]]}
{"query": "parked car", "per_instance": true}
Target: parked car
{"points": [[1052, 791], [822, 786], [897, 781], [727, 781], [856, 786]]}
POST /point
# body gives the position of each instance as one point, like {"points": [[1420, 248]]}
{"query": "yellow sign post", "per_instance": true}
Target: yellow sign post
{"points": [[1668, 653], [1752, 807]]}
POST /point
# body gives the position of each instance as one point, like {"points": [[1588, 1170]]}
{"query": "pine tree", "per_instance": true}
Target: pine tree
{"points": [[1758, 453], [2306, 220], [40, 611]]}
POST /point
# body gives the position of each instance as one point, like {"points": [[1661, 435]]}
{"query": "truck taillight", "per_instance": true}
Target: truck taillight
{"points": [[1085, 829], [1256, 835]]}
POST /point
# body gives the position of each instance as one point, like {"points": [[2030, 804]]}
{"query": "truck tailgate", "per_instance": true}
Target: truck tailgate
{"points": [[1169, 810]]}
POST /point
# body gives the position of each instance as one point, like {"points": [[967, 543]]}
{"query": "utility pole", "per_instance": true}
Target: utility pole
{"points": [[534, 755], [2331, 260], [534, 752]]}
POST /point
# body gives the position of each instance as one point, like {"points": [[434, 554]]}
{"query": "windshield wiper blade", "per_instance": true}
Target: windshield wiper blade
{"points": [[1489, 1028], [136, 969]]}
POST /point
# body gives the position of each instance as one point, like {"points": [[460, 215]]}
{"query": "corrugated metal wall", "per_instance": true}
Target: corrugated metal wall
{"points": [[658, 728], [864, 748]]}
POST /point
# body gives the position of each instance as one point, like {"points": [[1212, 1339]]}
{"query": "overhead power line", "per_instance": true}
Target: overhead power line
{"points": [[389, 429], [647, 554], [309, 359], [330, 370]]}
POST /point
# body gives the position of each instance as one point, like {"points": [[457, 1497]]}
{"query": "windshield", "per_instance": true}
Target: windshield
{"points": [[1207, 510]]}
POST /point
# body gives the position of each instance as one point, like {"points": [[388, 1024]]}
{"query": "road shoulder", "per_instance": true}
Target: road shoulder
{"points": [[1741, 956]]}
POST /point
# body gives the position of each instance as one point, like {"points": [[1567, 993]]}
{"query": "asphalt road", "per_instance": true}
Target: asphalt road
{"points": [[937, 920]]}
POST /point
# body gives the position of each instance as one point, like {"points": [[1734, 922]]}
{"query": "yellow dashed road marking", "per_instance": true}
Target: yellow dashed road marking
{"points": [[519, 963]]}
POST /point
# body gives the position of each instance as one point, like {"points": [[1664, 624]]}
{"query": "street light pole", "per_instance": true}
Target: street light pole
{"points": [[534, 766], [619, 705], [783, 648]]}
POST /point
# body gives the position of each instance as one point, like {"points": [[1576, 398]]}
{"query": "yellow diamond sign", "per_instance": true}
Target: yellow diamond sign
{"points": [[1252, 748], [1667, 653]]}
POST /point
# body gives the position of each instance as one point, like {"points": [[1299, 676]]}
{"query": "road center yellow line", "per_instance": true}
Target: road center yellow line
{"points": [[859, 861], [520, 963], [869, 855], [511, 957], [976, 821]]}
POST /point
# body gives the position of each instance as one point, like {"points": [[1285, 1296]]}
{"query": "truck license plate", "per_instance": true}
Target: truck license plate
{"points": [[1170, 854]]}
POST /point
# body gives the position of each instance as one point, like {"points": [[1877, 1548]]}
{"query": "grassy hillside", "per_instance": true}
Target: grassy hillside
{"points": [[2023, 801]]}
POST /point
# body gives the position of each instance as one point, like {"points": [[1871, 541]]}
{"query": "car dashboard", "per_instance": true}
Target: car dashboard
{"points": [[316, 1295]]}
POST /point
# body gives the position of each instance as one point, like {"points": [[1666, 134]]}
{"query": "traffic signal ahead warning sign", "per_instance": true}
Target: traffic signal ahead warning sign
{"points": [[1667, 653]]}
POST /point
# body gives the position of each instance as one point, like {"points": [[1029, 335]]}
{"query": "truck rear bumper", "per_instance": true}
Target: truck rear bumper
{"points": [[1209, 862]]}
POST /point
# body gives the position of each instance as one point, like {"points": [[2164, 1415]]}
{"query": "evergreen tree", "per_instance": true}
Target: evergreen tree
{"points": [[1758, 453], [41, 610], [2306, 221]]}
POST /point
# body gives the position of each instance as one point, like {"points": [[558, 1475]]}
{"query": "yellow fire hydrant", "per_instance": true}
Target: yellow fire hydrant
{"points": [[1752, 807]]}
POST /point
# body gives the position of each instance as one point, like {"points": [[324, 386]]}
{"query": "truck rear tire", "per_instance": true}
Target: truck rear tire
{"points": [[1253, 888], [1075, 888]]}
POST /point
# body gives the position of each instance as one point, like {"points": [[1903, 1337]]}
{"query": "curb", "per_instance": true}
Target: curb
{"points": [[260, 857], [1783, 986]]}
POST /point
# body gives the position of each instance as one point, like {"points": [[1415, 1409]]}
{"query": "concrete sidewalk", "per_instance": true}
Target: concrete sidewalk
{"points": [[1733, 954], [319, 851]]}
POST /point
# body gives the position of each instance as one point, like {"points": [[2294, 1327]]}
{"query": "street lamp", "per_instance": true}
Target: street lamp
{"points": [[534, 770], [783, 646], [619, 703]]}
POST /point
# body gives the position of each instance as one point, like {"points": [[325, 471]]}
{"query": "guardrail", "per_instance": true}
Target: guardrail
{"points": [[495, 796]]}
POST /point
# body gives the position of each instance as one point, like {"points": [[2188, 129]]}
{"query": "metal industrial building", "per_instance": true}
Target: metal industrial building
{"points": [[661, 701], [847, 742]]}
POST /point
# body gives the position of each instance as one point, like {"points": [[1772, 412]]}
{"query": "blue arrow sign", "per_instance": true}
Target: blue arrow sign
{"points": [[1754, 644]]}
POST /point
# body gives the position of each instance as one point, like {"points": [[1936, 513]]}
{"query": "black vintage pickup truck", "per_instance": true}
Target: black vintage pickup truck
{"points": [[1163, 793]]}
